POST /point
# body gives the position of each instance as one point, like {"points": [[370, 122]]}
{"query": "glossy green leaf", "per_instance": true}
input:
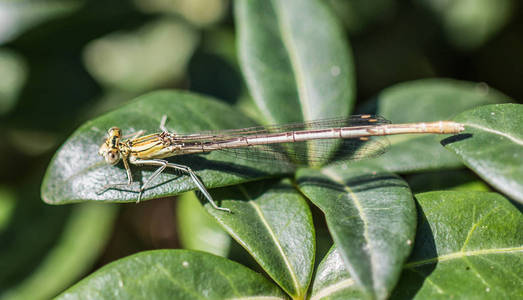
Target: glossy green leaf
{"points": [[272, 221], [492, 145], [371, 217], [333, 280], [77, 172], [289, 75], [173, 274], [197, 230], [468, 246], [422, 101]]}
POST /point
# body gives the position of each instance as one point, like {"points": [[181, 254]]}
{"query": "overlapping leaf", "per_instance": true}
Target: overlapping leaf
{"points": [[183, 274], [333, 280], [468, 245], [492, 145], [273, 223], [371, 217]]}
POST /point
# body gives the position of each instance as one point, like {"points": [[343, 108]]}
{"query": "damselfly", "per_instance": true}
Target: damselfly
{"points": [[149, 150]]}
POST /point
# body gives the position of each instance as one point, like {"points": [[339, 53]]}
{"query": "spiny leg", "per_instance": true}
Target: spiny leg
{"points": [[164, 164]]}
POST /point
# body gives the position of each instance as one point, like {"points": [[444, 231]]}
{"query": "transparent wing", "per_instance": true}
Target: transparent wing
{"points": [[315, 152], [301, 154]]}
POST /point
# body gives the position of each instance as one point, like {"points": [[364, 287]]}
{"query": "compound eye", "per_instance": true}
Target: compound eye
{"points": [[112, 157], [114, 131]]}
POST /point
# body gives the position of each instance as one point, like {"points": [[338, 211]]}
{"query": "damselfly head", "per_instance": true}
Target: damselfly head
{"points": [[109, 149]]}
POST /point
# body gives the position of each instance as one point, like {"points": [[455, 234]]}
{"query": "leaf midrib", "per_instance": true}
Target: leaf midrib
{"points": [[274, 238], [358, 205], [461, 254], [497, 132]]}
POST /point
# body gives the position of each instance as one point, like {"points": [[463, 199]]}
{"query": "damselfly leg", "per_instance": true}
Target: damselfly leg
{"points": [[165, 164]]}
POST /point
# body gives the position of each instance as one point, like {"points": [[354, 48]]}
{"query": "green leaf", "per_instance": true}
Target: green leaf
{"points": [[197, 230], [15, 73], [446, 180], [78, 173], [289, 75], [272, 221], [143, 59], [173, 274], [422, 101], [46, 248], [468, 246], [492, 145], [85, 235], [333, 280], [7, 205], [371, 217], [470, 24]]}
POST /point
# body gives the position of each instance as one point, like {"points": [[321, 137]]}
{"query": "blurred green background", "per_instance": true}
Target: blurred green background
{"points": [[63, 62]]}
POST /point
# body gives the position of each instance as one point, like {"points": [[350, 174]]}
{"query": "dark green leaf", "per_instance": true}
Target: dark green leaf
{"points": [[423, 101], [173, 274], [492, 145], [333, 279], [468, 246], [197, 230], [273, 223], [446, 180], [77, 172], [295, 59], [371, 217], [469, 25]]}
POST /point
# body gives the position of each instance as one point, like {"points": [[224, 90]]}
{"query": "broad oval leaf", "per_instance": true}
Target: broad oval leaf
{"points": [[423, 101], [492, 145], [173, 274], [77, 172], [333, 280], [468, 246], [371, 217], [272, 221], [295, 59], [288, 75]]}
